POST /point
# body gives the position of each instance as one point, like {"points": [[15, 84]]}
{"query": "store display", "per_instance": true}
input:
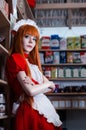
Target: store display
{"points": [[2, 105]]}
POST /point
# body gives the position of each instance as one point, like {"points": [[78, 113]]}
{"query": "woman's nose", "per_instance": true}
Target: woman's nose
{"points": [[30, 39]]}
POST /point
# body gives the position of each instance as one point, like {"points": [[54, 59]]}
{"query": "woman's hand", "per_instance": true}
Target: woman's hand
{"points": [[52, 86]]}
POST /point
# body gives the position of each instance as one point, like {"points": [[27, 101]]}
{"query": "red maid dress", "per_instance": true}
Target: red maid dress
{"points": [[42, 115]]}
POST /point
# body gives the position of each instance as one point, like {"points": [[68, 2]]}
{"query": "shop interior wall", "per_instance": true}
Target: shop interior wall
{"points": [[63, 31]]}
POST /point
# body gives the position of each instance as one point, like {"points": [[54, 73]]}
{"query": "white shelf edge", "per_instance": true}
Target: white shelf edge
{"points": [[3, 50], [3, 82], [61, 6], [3, 117]]}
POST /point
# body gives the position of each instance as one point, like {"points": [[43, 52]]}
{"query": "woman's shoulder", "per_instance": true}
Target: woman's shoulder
{"points": [[16, 58]]}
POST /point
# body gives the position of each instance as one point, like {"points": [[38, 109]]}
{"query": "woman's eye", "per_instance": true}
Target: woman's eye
{"points": [[34, 39], [26, 36], [30, 37]]}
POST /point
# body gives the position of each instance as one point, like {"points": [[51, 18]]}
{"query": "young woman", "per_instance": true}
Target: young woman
{"points": [[27, 82]]}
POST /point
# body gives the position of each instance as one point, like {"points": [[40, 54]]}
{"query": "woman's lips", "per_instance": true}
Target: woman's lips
{"points": [[29, 46]]}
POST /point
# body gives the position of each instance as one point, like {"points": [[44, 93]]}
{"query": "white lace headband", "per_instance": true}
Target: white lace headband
{"points": [[23, 22]]}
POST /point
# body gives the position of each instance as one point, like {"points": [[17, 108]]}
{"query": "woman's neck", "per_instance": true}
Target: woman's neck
{"points": [[26, 55]]}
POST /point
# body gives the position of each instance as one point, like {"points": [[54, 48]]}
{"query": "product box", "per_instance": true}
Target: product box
{"points": [[83, 41], [75, 103], [42, 57], [76, 57], [54, 72], [54, 42], [45, 42], [47, 72], [68, 72], [63, 44], [63, 57], [83, 57], [70, 43], [83, 72], [69, 57], [73, 43], [77, 43], [76, 72], [56, 57], [48, 57], [60, 72]]}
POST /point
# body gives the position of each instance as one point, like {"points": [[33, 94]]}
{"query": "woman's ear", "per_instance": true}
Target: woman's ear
{"points": [[13, 32]]}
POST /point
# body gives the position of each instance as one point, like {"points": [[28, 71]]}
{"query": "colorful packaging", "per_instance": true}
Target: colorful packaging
{"points": [[70, 43], [83, 42], [83, 72], [42, 57], [60, 72], [75, 72], [54, 42], [47, 72], [56, 57], [63, 57], [69, 57], [77, 43], [48, 57], [63, 44], [45, 42], [76, 57], [83, 57], [54, 72], [68, 72]]}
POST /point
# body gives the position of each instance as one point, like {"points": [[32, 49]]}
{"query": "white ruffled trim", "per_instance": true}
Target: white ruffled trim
{"points": [[45, 108], [24, 22]]}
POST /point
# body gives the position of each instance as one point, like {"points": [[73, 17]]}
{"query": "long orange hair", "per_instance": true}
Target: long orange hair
{"points": [[17, 47]]}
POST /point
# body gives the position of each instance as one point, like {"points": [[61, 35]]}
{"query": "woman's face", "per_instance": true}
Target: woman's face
{"points": [[29, 43]]}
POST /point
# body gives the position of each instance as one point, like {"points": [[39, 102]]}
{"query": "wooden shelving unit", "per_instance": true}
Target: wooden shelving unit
{"points": [[4, 89], [65, 101], [67, 79], [61, 6], [62, 100], [66, 13], [3, 50], [24, 10], [3, 82], [4, 47], [4, 24]]}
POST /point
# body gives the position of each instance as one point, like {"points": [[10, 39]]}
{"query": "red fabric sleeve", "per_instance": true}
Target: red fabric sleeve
{"points": [[31, 3], [15, 63]]}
